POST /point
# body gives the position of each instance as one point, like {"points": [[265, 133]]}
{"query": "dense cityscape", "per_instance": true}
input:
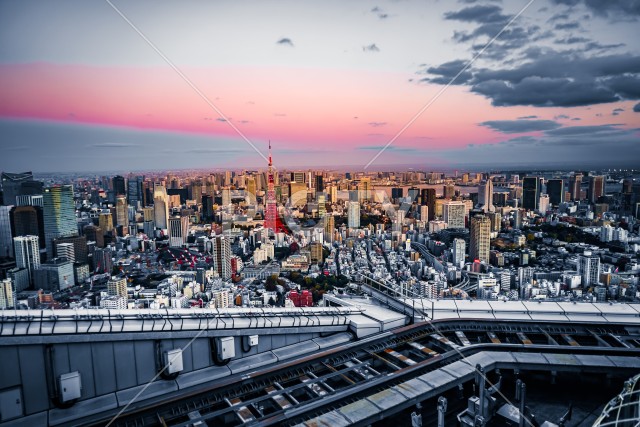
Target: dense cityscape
{"points": [[284, 238]]}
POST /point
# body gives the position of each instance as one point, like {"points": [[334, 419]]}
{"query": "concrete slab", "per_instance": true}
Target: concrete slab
{"points": [[562, 359], [82, 409], [252, 362], [333, 340], [359, 410], [39, 419], [625, 361], [412, 388], [294, 350], [386, 399], [200, 376], [459, 369], [594, 360], [530, 358], [330, 419], [154, 389], [436, 378]]}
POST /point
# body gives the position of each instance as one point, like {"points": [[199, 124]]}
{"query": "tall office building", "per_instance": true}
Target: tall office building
{"points": [[54, 275], [7, 294], [105, 221], [480, 238], [226, 196], [271, 207], [135, 191], [398, 221], [364, 188], [449, 190], [6, 242], [178, 231], [160, 207], [122, 212], [530, 192], [250, 193], [207, 207], [555, 190], [27, 253], [429, 200], [322, 205], [596, 188], [454, 214], [117, 286], [15, 184], [396, 193], [28, 221], [459, 247], [103, 260], [575, 186], [118, 186], [59, 215], [329, 227], [485, 196], [222, 256], [319, 184], [589, 268], [353, 215]]}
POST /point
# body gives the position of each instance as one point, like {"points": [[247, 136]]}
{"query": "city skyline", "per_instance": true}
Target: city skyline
{"points": [[330, 84]]}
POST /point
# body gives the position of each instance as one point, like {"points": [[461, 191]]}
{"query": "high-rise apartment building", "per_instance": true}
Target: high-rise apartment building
{"points": [[454, 214], [353, 215], [122, 212], [329, 228], [221, 246], [589, 268], [28, 221], [118, 186], [27, 253], [59, 215], [6, 242], [117, 286], [429, 199], [16, 184], [7, 294], [459, 247], [480, 238]]}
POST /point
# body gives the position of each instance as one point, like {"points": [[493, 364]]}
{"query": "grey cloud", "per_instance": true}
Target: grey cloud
{"points": [[520, 126], [527, 117], [551, 78], [377, 124], [220, 119], [567, 26], [561, 116], [588, 130], [371, 48], [113, 145], [636, 108], [479, 14], [617, 111], [609, 8], [445, 72], [285, 41], [572, 40], [576, 119]]}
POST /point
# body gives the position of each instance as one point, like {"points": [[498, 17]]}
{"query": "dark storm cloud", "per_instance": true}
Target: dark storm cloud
{"points": [[520, 126], [371, 48], [636, 108], [479, 13], [550, 78], [285, 41], [445, 72], [607, 8]]}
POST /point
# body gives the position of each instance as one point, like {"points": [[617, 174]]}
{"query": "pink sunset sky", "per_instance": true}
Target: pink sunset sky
{"points": [[321, 103]]}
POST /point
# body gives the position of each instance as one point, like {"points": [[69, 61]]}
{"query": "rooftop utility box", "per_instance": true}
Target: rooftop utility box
{"points": [[226, 348], [70, 386], [173, 361]]}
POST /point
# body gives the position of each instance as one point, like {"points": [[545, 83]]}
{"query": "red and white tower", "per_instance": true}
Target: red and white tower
{"points": [[271, 208]]}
